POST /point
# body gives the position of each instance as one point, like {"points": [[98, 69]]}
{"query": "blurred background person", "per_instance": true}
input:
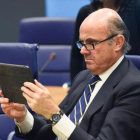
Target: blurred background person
{"points": [[129, 10]]}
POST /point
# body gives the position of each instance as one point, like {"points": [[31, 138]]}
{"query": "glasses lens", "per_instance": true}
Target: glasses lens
{"points": [[79, 45], [89, 46]]}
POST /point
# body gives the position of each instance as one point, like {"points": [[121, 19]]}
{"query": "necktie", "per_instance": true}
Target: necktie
{"points": [[80, 106]]}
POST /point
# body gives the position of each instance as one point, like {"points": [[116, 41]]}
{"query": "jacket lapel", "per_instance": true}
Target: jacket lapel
{"points": [[76, 94], [97, 103], [103, 93]]}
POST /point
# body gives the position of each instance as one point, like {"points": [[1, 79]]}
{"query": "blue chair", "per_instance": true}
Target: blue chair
{"points": [[1, 112], [47, 31], [57, 70], [135, 60], [52, 35], [7, 127], [22, 54]]}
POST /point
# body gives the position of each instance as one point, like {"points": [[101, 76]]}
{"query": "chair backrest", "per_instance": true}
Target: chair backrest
{"points": [[52, 35], [1, 111], [135, 60], [47, 31], [20, 53], [7, 127], [56, 71]]}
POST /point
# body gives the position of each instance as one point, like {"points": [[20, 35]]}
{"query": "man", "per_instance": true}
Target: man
{"points": [[112, 112]]}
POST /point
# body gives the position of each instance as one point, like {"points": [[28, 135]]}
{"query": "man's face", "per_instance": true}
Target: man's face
{"points": [[103, 56]]}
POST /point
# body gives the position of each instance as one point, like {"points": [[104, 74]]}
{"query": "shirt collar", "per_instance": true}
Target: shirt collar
{"points": [[107, 73]]}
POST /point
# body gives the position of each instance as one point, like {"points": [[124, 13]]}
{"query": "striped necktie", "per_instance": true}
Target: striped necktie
{"points": [[80, 106]]}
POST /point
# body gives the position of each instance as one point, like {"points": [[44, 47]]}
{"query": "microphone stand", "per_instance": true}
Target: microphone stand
{"points": [[52, 56]]}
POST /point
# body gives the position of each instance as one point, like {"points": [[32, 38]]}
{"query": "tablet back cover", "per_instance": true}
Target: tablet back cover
{"points": [[12, 78]]}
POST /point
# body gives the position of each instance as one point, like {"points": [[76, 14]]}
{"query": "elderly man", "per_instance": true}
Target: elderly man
{"points": [[103, 102]]}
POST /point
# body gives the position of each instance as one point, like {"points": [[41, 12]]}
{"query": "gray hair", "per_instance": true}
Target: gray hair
{"points": [[117, 26]]}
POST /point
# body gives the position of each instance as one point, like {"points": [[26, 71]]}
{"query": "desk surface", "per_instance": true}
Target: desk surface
{"points": [[58, 93]]}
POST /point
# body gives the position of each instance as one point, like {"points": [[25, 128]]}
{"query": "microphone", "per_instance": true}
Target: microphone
{"points": [[51, 57]]}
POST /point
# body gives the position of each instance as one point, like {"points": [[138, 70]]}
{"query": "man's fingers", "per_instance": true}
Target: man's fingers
{"points": [[7, 105], [39, 85], [19, 107], [27, 91], [4, 100], [31, 86], [27, 97], [1, 93]]}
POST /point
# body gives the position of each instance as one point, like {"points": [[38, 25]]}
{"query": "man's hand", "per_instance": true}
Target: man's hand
{"points": [[13, 110], [39, 99]]}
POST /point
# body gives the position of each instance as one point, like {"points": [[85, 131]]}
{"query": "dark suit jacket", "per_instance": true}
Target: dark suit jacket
{"points": [[114, 114]]}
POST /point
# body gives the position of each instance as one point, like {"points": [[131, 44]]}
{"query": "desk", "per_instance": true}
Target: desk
{"points": [[58, 93]]}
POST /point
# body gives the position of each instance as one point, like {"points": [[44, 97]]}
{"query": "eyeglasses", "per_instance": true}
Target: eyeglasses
{"points": [[92, 46]]}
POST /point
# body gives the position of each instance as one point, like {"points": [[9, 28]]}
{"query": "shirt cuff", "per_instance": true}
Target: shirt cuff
{"points": [[62, 130], [27, 125]]}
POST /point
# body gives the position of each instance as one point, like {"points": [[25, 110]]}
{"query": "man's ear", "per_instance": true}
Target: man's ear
{"points": [[119, 42]]}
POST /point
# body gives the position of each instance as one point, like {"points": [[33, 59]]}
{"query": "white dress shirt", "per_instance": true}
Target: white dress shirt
{"points": [[62, 130]]}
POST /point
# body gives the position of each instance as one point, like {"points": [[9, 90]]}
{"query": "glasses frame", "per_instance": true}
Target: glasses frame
{"points": [[80, 44]]}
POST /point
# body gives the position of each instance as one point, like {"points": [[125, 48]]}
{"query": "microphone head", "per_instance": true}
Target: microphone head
{"points": [[53, 55]]}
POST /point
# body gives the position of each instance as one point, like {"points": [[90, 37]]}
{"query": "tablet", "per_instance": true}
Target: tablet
{"points": [[12, 78]]}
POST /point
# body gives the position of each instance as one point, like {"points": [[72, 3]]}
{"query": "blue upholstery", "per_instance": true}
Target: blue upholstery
{"points": [[1, 112], [57, 71], [135, 60], [52, 35], [43, 30], [7, 127], [20, 53]]}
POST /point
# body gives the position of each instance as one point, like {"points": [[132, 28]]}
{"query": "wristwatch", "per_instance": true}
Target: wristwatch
{"points": [[56, 117]]}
